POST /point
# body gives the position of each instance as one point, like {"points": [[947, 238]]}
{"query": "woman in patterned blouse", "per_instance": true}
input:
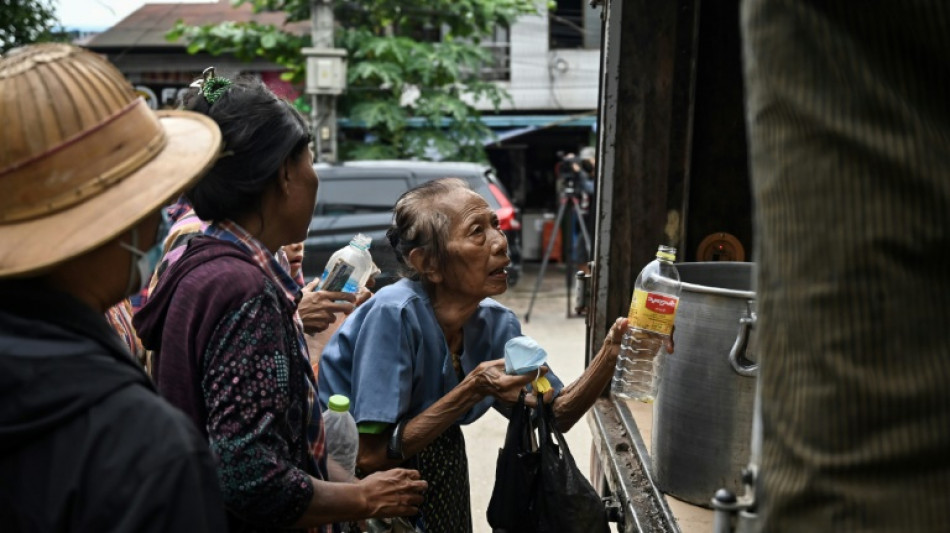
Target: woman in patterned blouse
{"points": [[229, 350]]}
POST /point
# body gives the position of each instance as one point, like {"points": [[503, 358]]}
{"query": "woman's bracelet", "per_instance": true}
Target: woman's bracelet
{"points": [[394, 448]]}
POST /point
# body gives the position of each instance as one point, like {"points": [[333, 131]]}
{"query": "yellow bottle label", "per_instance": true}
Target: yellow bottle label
{"points": [[653, 311]]}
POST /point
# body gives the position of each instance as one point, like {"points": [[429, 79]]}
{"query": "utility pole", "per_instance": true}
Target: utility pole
{"points": [[326, 79]]}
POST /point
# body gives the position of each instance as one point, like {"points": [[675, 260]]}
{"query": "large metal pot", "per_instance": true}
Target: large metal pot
{"points": [[702, 417]]}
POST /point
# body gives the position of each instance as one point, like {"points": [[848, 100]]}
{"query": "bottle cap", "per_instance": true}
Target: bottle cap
{"points": [[339, 403], [361, 241], [666, 252]]}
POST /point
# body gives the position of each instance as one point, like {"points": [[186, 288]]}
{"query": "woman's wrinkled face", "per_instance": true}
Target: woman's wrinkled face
{"points": [[477, 249]]}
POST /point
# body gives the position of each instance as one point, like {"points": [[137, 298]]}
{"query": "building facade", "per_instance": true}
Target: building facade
{"points": [[547, 62]]}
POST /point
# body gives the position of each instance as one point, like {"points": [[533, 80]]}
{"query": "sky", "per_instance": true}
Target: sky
{"points": [[101, 14]]}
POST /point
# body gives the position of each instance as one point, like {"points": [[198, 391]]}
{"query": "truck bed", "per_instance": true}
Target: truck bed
{"points": [[621, 437]]}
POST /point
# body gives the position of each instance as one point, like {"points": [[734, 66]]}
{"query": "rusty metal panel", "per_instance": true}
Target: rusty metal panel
{"points": [[625, 462]]}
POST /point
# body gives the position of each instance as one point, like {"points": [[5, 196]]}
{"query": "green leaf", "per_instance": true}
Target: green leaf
{"points": [[302, 104], [384, 54], [269, 41], [28, 21]]}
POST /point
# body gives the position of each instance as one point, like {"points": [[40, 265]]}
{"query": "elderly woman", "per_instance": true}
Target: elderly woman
{"points": [[426, 354], [86, 443], [228, 347]]}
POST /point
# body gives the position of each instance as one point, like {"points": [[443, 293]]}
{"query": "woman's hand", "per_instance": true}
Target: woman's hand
{"points": [[620, 328], [612, 340], [491, 380], [317, 309], [394, 492], [531, 399], [362, 294], [576, 398]]}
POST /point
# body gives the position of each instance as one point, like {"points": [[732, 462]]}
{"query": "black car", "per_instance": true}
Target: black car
{"points": [[358, 197]]}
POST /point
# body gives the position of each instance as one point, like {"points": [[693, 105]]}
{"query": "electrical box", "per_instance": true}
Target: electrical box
{"points": [[326, 70]]}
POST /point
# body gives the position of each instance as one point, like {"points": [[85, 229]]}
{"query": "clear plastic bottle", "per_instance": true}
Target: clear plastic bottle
{"points": [[652, 311], [349, 267], [343, 439]]}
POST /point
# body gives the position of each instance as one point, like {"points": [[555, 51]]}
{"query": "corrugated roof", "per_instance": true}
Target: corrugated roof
{"points": [[147, 26]]}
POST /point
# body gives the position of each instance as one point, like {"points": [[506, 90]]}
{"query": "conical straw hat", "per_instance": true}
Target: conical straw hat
{"points": [[82, 157]]}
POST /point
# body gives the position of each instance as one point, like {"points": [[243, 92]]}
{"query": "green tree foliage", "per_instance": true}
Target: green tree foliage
{"points": [[27, 21], [412, 67]]}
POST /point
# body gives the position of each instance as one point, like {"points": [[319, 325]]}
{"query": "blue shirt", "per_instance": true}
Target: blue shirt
{"points": [[391, 359]]}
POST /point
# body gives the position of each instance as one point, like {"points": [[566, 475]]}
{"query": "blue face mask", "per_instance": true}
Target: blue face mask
{"points": [[147, 260], [523, 355]]}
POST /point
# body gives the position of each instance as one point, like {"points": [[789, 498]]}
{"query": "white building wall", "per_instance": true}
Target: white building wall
{"points": [[544, 80]]}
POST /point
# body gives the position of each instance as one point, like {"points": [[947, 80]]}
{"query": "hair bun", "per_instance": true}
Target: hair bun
{"points": [[393, 235]]}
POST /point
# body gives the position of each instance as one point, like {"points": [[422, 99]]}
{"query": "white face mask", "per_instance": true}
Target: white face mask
{"points": [[523, 355], [146, 261]]}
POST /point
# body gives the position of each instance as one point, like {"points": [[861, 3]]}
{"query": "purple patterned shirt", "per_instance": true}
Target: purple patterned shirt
{"points": [[231, 355]]}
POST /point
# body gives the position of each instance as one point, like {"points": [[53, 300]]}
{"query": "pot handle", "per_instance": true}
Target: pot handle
{"points": [[740, 363]]}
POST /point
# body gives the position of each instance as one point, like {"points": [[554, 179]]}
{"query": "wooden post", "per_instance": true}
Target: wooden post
{"points": [[647, 73]]}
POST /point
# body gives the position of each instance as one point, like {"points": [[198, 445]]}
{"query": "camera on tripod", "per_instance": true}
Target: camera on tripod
{"points": [[568, 172], [573, 176]]}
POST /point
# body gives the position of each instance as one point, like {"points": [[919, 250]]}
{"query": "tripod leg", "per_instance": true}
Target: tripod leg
{"points": [[584, 232], [547, 255], [571, 278]]}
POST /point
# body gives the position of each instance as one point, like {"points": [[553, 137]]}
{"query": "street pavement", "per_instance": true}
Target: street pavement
{"points": [[563, 338]]}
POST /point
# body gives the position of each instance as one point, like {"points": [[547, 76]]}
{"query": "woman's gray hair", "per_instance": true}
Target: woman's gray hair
{"points": [[420, 221]]}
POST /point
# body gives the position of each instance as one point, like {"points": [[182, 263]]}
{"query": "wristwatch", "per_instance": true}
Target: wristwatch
{"points": [[394, 448]]}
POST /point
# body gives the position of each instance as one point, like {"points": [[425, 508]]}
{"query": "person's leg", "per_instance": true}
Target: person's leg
{"points": [[849, 129]]}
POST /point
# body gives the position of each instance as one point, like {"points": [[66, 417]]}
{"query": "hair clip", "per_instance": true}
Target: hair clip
{"points": [[214, 88], [205, 75], [211, 86]]}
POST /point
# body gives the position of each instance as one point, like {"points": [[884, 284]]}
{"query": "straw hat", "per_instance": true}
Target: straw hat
{"points": [[82, 157]]}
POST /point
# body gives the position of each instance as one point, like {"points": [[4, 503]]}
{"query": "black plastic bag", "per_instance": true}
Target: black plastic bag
{"points": [[511, 508], [565, 502], [539, 489]]}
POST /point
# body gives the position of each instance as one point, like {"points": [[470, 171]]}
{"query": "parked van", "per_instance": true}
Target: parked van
{"points": [[358, 197]]}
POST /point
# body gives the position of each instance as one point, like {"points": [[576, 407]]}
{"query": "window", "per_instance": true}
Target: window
{"points": [[574, 24], [499, 44], [355, 196]]}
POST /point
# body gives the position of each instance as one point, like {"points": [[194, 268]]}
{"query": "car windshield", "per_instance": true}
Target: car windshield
{"points": [[358, 196]]}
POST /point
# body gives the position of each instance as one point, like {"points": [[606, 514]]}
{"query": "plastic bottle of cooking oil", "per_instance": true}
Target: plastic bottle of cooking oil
{"points": [[656, 296]]}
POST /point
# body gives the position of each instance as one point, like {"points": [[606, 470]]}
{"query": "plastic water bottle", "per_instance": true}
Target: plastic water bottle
{"points": [[343, 439], [349, 267], [652, 311]]}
